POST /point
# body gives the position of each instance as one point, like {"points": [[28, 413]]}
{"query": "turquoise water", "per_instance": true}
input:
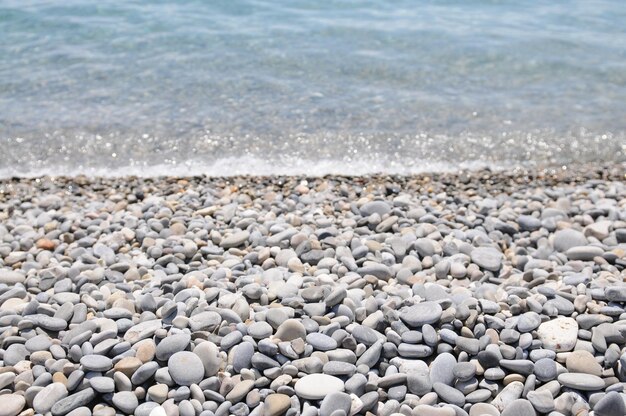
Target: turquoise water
{"points": [[225, 87]]}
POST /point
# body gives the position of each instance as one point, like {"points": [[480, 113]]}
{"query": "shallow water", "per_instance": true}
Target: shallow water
{"points": [[261, 87]]}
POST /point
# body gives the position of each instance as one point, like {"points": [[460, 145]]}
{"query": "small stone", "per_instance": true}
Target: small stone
{"points": [[290, 329], [528, 321], [421, 314], [74, 401], [321, 342], [235, 240], [276, 404], [126, 401], [95, 362], [487, 258]]}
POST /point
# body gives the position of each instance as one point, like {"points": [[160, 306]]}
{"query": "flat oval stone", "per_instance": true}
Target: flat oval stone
{"points": [[581, 381], [76, 400], [95, 362], [46, 398], [102, 384], [335, 401], [321, 342], [186, 368], [172, 344], [317, 386], [421, 314]]}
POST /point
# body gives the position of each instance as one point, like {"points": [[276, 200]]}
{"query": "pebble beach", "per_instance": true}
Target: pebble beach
{"points": [[450, 294]]}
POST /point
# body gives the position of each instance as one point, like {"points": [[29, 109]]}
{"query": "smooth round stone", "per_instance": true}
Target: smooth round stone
{"points": [[126, 401], [421, 314], [321, 342], [581, 381], [375, 207], [235, 240], [449, 394], [38, 343], [96, 363], [519, 407], [558, 334], [487, 258], [582, 361], [46, 398], [464, 371], [419, 383], [317, 386], [528, 321], [276, 404], [186, 368], [290, 329], [171, 345], [545, 369], [144, 409], [12, 404], [102, 384], [209, 354], [611, 404], [335, 401], [260, 330], [14, 354]]}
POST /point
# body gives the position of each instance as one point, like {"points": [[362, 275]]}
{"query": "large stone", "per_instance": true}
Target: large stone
{"points": [[186, 368], [317, 386], [558, 334], [11, 404], [46, 398], [580, 381], [209, 354], [611, 404]]}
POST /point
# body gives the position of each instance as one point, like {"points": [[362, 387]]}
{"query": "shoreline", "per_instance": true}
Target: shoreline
{"points": [[467, 293]]}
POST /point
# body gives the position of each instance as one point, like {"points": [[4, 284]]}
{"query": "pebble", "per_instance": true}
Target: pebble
{"points": [[421, 314], [12, 404], [559, 334], [581, 381], [185, 368], [317, 386]]}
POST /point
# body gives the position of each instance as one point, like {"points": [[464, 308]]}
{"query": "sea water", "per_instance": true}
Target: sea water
{"points": [[309, 87]]}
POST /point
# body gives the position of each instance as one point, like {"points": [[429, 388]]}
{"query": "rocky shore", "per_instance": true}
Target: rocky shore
{"points": [[476, 293]]}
